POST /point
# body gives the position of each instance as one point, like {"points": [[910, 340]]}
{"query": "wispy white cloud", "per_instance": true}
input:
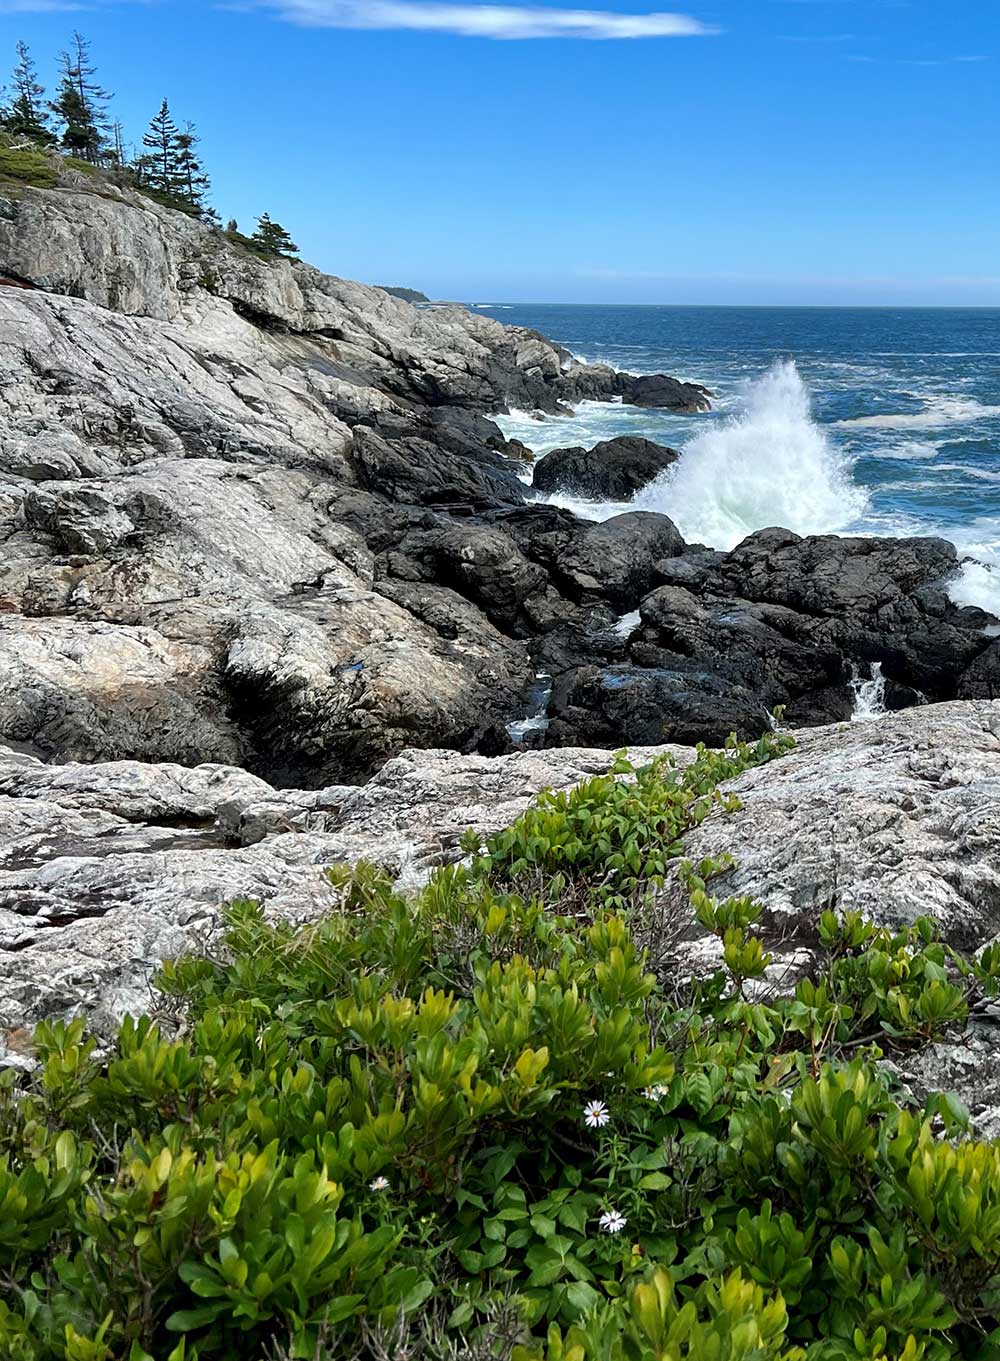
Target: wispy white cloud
{"points": [[918, 61], [484, 20], [37, 6]]}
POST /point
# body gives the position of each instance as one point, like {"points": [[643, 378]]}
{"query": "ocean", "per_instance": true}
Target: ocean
{"points": [[826, 420]]}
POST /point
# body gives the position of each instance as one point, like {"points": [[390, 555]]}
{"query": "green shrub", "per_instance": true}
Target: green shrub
{"points": [[488, 1121], [28, 165]]}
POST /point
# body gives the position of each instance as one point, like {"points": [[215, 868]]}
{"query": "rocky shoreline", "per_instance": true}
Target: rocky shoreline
{"points": [[257, 515], [260, 536], [106, 869]]}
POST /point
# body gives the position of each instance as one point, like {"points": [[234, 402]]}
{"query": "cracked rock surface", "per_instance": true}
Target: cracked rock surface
{"points": [[105, 869]]}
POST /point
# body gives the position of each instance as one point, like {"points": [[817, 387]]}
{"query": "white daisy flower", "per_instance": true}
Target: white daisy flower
{"points": [[596, 1115], [612, 1222], [379, 1184], [654, 1093]]}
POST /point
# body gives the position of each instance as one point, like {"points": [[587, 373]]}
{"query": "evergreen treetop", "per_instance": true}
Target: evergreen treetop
{"points": [[27, 115], [194, 181], [270, 238], [159, 167], [81, 105], [170, 169]]}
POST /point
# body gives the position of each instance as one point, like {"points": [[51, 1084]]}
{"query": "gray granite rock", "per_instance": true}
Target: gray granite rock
{"points": [[105, 869]]}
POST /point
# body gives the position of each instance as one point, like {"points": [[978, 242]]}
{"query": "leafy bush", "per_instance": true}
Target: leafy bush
{"points": [[487, 1122]]}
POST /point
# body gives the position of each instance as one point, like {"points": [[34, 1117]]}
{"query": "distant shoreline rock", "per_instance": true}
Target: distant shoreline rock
{"points": [[404, 294], [613, 470]]}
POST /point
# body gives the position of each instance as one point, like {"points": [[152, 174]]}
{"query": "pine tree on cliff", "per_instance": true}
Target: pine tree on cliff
{"points": [[159, 168], [28, 115], [81, 105], [270, 238], [194, 184]]}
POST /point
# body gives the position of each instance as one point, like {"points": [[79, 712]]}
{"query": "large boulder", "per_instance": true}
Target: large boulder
{"points": [[612, 471], [769, 649], [412, 469], [486, 566], [896, 819], [617, 558], [827, 575], [659, 390], [872, 600], [678, 701]]}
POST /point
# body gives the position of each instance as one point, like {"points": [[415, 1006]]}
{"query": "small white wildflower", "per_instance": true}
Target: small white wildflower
{"points": [[379, 1184], [596, 1115], [612, 1222], [654, 1093]]}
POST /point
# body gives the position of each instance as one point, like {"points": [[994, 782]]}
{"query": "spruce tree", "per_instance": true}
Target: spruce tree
{"points": [[270, 238], [194, 183], [81, 105], [159, 168], [27, 115]]}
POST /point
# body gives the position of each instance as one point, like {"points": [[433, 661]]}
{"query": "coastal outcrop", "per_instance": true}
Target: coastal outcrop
{"points": [[213, 467], [257, 515], [107, 868], [613, 470]]}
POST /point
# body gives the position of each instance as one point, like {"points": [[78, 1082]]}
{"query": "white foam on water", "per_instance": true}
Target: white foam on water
{"points": [[769, 465], [869, 694], [587, 510], [938, 412], [590, 423], [978, 583], [537, 720], [907, 451], [627, 624]]}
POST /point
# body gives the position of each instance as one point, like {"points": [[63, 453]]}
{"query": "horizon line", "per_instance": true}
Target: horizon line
{"points": [[727, 306]]}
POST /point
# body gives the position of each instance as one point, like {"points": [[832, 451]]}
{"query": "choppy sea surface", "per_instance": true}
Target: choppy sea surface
{"points": [[825, 420]]}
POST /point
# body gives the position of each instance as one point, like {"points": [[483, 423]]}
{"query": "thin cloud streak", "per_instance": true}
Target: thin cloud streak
{"points": [[37, 6], [499, 22]]}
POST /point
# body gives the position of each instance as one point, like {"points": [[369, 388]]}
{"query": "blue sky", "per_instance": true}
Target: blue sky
{"points": [[737, 151]]}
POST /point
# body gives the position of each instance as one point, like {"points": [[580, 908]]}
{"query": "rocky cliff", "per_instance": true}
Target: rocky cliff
{"points": [[257, 515], [207, 460]]}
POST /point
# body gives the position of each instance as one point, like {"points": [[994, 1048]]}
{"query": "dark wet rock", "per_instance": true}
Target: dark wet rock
{"points": [[486, 566], [981, 680], [697, 569], [684, 703], [617, 558], [872, 600], [542, 533], [659, 390], [612, 471], [826, 575], [415, 470], [590, 634]]}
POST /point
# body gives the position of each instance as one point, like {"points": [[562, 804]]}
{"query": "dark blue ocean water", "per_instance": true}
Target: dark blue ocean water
{"points": [[845, 420]]}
